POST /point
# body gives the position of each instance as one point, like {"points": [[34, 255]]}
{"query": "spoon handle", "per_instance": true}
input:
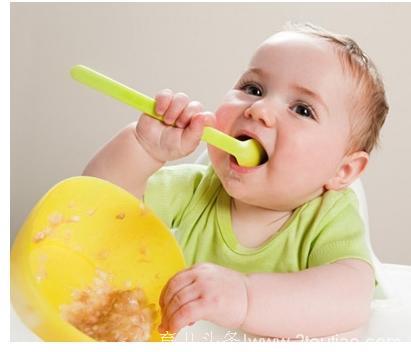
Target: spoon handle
{"points": [[114, 89], [143, 103]]}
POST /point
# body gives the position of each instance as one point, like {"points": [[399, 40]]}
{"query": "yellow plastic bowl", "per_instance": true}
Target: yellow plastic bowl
{"points": [[87, 224]]}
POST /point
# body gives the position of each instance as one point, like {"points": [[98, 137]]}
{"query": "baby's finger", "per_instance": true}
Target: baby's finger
{"points": [[192, 134], [163, 99], [187, 314], [185, 295], [191, 109], [165, 287], [175, 284], [178, 104]]}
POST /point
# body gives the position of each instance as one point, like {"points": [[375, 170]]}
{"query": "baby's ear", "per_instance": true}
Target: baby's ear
{"points": [[351, 167]]}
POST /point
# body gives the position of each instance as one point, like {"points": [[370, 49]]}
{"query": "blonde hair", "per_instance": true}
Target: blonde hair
{"points": [[370, 103]]}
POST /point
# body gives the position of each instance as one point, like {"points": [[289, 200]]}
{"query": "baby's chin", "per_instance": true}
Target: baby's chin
{"points": [[235, 188], [279, 200]]}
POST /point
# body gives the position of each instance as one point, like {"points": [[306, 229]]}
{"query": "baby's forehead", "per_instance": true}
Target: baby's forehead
{"points": [[303, 45], [299, 56]]}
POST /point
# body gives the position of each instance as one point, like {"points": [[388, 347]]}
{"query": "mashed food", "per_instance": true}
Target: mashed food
{"points": [[111, 315]]}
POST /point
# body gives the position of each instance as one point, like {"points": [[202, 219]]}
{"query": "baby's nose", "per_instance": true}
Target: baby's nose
{"points": [[260, 112]]}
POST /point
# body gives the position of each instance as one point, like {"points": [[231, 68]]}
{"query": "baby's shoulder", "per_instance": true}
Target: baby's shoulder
{"points": [[331, 206], [338, 200]]}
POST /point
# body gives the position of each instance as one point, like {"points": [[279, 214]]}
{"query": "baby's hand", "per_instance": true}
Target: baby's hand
{"points": [[204, 292], [181, 131]]}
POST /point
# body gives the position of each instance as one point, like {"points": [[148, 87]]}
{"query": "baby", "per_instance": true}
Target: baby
{"points": [[278, 249]]}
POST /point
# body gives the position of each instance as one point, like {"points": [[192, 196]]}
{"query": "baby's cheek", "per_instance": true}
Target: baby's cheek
{"points": [[301, 154], [313, 160]]}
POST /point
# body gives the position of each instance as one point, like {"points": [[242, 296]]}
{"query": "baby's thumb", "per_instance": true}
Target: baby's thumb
{"points": [[193, 132]]}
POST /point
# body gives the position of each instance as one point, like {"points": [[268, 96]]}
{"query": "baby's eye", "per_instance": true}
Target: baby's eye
{"points": [[251, 88], [303, 110]]}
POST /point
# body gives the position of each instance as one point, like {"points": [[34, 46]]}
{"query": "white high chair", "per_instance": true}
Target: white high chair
{"points": [[390, 318]]}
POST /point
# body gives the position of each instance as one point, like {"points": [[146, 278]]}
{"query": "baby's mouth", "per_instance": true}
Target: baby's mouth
{"points": [[245, 137]]}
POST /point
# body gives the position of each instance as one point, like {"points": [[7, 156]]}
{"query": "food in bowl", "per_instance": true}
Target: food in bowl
{"points": [[106, 314]]}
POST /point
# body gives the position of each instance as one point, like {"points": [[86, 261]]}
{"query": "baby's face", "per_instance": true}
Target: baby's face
{"points": [[295, 100]]}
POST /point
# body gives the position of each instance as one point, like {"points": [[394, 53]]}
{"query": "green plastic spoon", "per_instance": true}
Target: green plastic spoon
{"points": [[248, 153]]}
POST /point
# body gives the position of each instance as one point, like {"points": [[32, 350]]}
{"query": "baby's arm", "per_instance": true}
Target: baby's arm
{"points": [[140, 149], [124, 162], [319, 301]]}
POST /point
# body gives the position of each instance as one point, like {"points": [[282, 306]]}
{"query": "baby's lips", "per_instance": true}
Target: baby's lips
{"points": [[244, 134]]}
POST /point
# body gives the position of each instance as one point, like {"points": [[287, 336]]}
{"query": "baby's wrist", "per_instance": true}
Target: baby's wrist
{"points": [[143, 144], [149, 160]]}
